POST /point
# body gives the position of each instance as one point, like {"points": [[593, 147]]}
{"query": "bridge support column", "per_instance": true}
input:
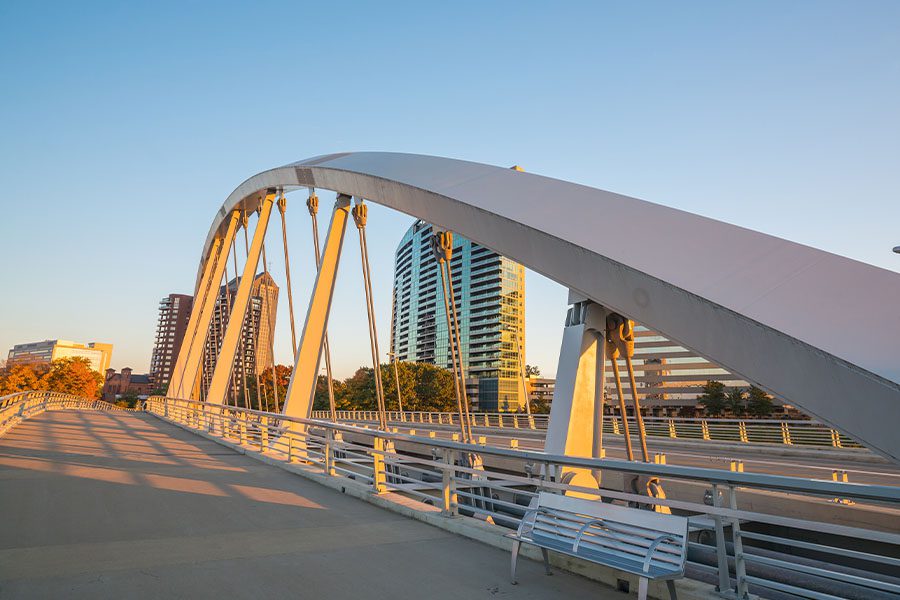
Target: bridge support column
{"points": [[302, 386], [225, 362], [576, 414], [187, 365]]}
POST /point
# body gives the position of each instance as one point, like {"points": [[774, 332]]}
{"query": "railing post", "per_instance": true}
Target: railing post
{"points": [[740, 571], [721, 554], [264, 434], [242, 428], [672, 432], [448, 485], [704, 427], [615, 424], [836, 439], [378, 475], [289, 434], [786, 435], [332, 440], [742, 429]]}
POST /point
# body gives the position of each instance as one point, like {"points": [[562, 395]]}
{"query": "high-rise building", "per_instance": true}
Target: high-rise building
{"points": [[99, 355], [490, 299], [174, 314], [254, 353]]}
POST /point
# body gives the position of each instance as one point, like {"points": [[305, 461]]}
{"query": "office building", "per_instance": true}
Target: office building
{"points": [[99, 355], [490, 300], [254, 354], [174, 314]]}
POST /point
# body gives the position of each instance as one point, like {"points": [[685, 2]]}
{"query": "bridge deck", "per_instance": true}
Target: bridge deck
{"points": [[117, 505]]}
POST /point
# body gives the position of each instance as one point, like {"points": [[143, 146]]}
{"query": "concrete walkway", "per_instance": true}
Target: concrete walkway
{"points": [[123, 505]]}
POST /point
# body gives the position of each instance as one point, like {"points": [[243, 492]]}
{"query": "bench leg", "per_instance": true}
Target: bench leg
{"points": [[642, 588], [671, 585], [546, 554], [515, 557]]}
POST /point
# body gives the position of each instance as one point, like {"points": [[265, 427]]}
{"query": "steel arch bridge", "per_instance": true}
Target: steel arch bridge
{"points": [[816, 328]]}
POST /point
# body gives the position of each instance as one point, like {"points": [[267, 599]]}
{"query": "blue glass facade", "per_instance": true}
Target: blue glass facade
{"points": [[490, 299]]}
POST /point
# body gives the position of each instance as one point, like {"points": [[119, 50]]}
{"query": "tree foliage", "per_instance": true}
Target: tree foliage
{"points": [[72, 375], [738, 401], [423, 387], [713, 398], [735, 401], [759, 403]]}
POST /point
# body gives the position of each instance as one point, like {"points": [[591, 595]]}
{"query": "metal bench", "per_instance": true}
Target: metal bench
{"points": [[648, 544]]}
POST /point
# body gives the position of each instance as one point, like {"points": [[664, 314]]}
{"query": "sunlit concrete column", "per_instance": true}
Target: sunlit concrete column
{"points": [[190, 355], [303, 380], [574, 426], [225, 361]]}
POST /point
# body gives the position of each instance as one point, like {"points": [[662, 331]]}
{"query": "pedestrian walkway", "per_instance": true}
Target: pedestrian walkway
{"points": [[123, 505]]}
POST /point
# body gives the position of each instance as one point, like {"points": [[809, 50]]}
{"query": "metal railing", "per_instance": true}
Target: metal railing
{"points": [[17, 407], [751, 532], [746, 431]]}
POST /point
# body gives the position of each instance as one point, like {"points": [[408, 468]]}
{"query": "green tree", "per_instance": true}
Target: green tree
{"points": [[435, 390], [713, 398], [532, 371], [735, 401], [759, 403], [540, 407], [128, 400], [422, 386]]}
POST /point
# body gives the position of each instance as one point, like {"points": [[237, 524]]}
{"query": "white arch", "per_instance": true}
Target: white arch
{"points": [[818, 329]]}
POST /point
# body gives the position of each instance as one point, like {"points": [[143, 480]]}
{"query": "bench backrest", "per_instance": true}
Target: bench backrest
{"points": [[628, 533]]}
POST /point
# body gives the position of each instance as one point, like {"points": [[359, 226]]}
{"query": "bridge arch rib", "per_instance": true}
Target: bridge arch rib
{"points": [[818, 329]]}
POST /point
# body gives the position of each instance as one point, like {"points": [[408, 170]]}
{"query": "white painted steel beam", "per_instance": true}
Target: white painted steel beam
{"points": [[190, 356], [817, 329], [230, 341], [302, 387]]}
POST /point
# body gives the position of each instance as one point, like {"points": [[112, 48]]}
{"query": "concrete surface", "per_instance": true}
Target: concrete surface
{"points": [[123, 505]]}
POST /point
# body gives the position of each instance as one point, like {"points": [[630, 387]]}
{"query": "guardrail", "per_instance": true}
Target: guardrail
{"points": [[747, 431], [17, 407], [734, 543]]}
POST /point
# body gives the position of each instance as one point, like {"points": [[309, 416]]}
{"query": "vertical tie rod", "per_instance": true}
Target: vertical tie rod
{"points": [[271, 326], [282, 206], [442, 246], [360, 216]]}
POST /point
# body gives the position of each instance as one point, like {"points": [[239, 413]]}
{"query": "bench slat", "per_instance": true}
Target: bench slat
{"points": [[621, 514]]}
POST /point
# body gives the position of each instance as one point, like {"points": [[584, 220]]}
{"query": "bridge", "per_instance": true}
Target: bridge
{"points": [[806, 325]]}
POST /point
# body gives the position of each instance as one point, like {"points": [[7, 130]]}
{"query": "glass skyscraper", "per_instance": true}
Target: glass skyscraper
{"points": [[490, 302]]}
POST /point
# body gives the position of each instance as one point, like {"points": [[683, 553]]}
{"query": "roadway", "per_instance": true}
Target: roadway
{"points": [[794, 461], [124, 505]]}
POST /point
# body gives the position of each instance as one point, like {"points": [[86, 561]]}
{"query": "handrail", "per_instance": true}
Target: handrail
{"points": [[876, 493], [16, 407], [788, 432]]}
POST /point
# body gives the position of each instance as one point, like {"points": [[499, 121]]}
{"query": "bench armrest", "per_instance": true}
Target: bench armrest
{"points": [[652, 548], [527, 521]]}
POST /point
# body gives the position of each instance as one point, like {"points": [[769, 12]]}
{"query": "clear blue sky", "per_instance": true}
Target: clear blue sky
{"points": [[123, 126]]}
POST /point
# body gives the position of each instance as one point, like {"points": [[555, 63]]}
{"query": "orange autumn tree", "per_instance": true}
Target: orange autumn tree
{"points": [[72, 375]]}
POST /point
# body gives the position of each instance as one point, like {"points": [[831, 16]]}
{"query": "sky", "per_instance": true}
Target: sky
{"points": [[123, 127]]}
